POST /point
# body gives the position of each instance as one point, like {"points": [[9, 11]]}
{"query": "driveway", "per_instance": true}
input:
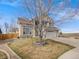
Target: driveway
{"points": [[72, 54], [70, 41]]}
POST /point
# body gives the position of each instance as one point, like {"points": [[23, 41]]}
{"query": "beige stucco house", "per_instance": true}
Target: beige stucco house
{"points": [[25, 27], [30, 27]]}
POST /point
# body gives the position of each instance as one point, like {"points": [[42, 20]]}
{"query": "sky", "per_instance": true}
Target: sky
{"points": [[10, 11]]}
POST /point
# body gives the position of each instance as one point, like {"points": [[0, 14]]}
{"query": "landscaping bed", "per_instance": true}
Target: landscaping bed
{"points": [[26, 49], [3, 55]]}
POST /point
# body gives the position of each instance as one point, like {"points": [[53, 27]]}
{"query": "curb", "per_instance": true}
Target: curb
{"points": [[13, 52], [8, 56]]}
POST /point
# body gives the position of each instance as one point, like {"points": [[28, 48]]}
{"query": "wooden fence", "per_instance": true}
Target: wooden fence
{"points": [[8, 36]]}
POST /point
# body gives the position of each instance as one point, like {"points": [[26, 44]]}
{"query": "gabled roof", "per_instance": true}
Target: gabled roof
{"points": [[24, 21]]}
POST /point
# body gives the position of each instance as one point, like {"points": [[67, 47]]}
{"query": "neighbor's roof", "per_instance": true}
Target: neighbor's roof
{"points": [[24, 21], [52, 29]]}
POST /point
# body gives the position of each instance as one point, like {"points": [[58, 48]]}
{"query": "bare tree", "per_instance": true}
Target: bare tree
{"points": [[13, 26], [39, 8]]}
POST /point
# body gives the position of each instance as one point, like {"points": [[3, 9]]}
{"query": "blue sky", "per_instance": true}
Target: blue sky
{"points": [[11, 11]]}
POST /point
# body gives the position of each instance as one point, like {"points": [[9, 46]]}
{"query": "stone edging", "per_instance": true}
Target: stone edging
{"points": [[13, 52], [8, 56]]}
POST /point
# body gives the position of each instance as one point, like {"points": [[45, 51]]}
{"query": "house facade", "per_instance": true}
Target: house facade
{"points": [[31, 27], [25, 27]]}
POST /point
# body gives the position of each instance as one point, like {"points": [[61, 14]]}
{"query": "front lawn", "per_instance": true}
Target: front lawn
{"points": [[27, 50], [3, 55]]}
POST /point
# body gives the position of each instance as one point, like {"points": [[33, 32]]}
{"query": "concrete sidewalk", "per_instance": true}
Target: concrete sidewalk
{"points": [[9, 52], [72, 54], [70, 41]]}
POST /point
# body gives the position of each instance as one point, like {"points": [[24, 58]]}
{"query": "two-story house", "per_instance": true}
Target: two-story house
{"points": [[31, 27]]}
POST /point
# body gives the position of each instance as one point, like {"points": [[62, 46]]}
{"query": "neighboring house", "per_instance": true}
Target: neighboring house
{"points": [[30, 27], [13, 30]]}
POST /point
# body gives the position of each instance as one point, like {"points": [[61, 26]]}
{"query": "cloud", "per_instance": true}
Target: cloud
{"points": [[68, 13], [10, 2]]}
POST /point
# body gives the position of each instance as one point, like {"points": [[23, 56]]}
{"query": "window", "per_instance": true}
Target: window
{"points": [[26, 30]]}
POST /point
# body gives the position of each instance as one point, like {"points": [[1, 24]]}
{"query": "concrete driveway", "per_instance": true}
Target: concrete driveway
{"points": [[72, 54]]}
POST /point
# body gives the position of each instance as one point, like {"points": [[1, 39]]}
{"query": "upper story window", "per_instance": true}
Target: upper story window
{"points": [[26, 30]]}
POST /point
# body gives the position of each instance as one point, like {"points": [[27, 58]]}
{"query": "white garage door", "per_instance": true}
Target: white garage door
{"points": [[50, 35]]}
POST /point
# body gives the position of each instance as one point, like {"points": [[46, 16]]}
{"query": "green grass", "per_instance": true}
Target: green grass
{"points": [[27, 50], [3, 55]]}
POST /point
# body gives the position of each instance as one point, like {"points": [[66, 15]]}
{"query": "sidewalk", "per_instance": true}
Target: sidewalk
{"points": [[72, 54], [9, 51], [70, 41]]}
